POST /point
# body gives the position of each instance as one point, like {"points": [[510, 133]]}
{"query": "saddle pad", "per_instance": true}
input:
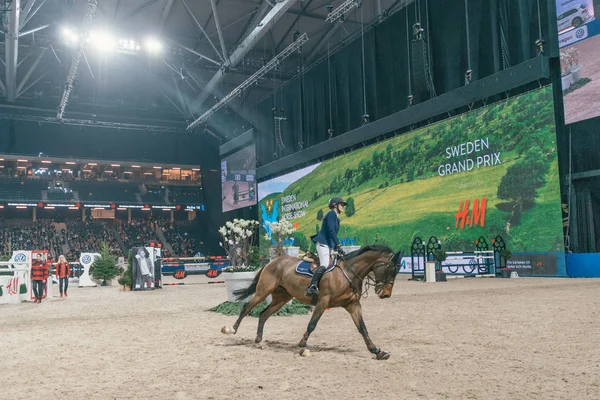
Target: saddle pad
{"points": [[304, 268]]}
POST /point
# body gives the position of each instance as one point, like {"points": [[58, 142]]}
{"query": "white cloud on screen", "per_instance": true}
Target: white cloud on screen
{"points": [[279, 184]]}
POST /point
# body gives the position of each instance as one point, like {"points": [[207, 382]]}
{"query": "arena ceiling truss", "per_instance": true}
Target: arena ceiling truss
{"points": [[161, 62]]}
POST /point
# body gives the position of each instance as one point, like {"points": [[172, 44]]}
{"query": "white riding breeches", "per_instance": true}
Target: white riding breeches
{"points": [[324, 253]]}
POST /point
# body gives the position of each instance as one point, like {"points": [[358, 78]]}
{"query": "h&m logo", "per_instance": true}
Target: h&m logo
{"points": [[465, 216]]}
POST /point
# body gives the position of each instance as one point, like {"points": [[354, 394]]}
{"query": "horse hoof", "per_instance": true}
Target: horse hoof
{"points": [[305, 352], [258, 339], [227, 330], [383, 355]]}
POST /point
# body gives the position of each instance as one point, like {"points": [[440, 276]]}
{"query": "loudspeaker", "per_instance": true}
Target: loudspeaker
{"points": [[420, 68]]}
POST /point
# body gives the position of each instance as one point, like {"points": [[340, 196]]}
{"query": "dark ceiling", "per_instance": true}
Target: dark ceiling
{"points": [[170, 87]]}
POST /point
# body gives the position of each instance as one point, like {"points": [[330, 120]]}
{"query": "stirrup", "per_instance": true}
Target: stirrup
{"points": [[312, 290]]}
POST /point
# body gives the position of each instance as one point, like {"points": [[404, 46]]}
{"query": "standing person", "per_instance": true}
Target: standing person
{"points": [[39, 277], [63, 272], [327, 242]]}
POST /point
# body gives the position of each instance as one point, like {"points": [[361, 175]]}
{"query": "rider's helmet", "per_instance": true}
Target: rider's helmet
{"points": [[336, 200]]}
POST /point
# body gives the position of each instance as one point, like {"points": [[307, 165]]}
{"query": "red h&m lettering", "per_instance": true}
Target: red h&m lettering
{"points": [[477, 215], [462, 213]]}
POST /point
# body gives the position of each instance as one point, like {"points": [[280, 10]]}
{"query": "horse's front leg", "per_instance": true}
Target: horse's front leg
{"points": [[355, 311], [314, 319]]}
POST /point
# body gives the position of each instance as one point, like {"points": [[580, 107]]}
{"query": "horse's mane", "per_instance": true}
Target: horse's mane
{"points": [[376, 247]]}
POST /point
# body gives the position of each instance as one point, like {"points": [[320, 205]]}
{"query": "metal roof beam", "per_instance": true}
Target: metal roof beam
{"points": [[213, 4], [164, 16], [244, 48], [30, 14], [259, 14], [26, 12], [30, 71], [136, 10], [12, 50], [199, 26]]}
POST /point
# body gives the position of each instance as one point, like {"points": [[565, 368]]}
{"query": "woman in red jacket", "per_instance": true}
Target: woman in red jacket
{"points": [[63, 271]]}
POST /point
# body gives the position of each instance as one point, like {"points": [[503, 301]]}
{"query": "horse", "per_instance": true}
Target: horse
{"points": [[341, 287]]}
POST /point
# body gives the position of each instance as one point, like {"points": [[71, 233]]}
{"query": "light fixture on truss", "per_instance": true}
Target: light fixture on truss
{"points": [[339, 12], [272, 64]]}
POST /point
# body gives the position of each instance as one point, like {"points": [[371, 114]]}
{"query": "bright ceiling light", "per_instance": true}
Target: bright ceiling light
{"points": [[69, 35], [153, 45], [102, 40]]}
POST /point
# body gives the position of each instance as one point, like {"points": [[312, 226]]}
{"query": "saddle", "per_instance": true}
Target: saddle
{"points": [[312, 259], [310, 263]]}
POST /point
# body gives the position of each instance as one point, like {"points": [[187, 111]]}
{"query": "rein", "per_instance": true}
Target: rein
{"points": [[370, 282]]}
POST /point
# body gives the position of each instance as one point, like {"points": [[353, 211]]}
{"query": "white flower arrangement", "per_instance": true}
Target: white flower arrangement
{"points": [[238, 240], [280, 231]]}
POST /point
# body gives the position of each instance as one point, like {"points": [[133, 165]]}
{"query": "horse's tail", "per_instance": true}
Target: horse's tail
{"points": [[243, 293]]}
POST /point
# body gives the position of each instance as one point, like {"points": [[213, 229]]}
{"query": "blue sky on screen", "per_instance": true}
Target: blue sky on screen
{"points": [[279, 184]]}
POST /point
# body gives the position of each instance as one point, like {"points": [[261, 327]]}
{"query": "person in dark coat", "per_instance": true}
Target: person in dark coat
{"points": [[327, 242], [39, 277]]}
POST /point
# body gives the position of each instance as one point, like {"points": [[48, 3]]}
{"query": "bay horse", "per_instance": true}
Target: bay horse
{"points": [[341, 287]]}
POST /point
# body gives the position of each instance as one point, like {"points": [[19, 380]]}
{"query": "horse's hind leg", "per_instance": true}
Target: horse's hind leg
{"points": [[280, 298], [263, 289]]}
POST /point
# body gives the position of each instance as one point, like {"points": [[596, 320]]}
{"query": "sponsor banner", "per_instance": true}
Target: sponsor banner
{"points": [[573, 14], [490, 172], [146, 268], [535, 264]]}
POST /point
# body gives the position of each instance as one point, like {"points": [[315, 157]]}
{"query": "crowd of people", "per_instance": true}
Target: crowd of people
{"points": [[138, 232], [74, 236], [180, 236], [20, 234], [88, 236]]}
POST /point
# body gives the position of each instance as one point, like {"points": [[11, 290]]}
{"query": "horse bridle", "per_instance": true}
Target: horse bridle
{"points": [[389, 277]]}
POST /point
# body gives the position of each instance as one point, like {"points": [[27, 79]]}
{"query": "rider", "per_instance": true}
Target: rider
{"points": [[327, 241]]}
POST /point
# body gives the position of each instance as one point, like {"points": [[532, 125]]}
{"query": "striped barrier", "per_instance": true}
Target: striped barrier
{"points": [[189, 283]]}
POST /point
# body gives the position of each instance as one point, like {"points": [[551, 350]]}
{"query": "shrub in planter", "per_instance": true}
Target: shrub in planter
{"points": [[105, 267], [126, 279]]}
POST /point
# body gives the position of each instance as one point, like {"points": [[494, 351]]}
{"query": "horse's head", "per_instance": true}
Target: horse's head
{"points": [[382, 262], [385, 270]]}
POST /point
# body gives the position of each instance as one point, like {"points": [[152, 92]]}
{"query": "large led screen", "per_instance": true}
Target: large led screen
{"points": [[579, 39], [489, 172], [238, 179]]}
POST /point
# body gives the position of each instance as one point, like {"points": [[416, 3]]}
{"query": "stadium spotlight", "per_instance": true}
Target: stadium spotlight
{"points": [[153, 45], [69, 35], [102, 40]]}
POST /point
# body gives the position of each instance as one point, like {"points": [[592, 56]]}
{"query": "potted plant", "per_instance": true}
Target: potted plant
{"points": [[440, 256], [280, 234], [238, 240], [126, 280], [505, 255], [105, 268], [565, 68], [23, 291], [574, 65]]}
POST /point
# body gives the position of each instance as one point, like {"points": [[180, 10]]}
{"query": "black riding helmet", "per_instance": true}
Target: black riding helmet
{"points": [[336, 200]]}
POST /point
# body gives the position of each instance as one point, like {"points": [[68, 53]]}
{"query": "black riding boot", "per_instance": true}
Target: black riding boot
{"points": [[313, 289]]}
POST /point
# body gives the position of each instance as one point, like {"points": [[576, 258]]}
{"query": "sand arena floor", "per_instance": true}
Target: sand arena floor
{"points": [[465, 339]]}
